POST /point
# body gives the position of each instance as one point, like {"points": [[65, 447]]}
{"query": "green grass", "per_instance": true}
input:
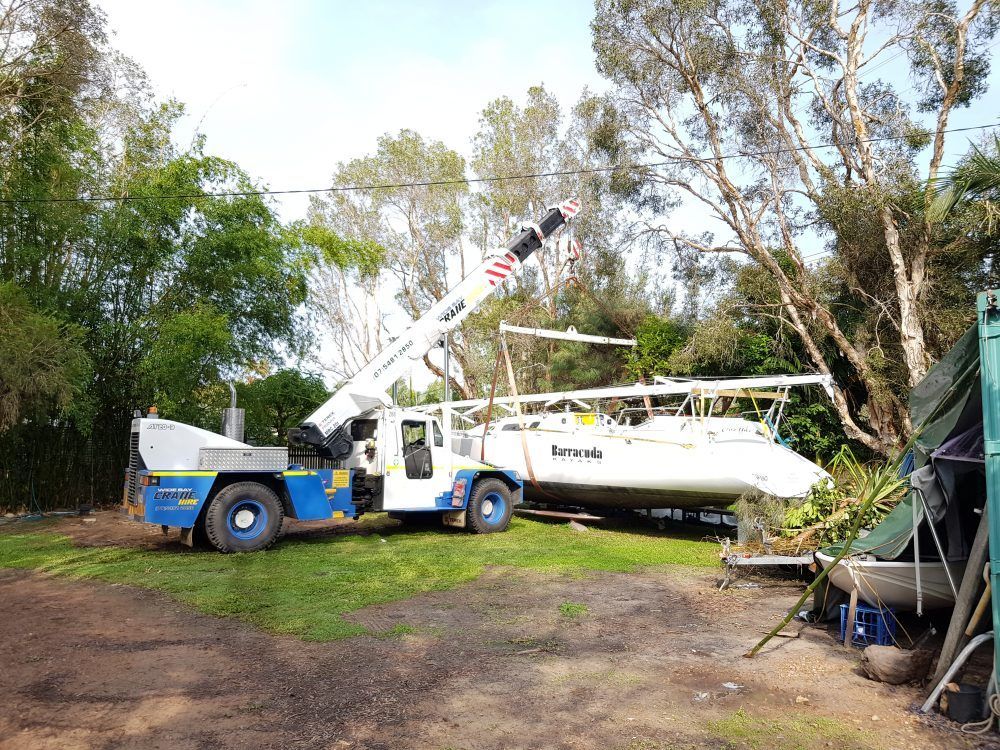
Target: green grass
{"points": [[572, 610], [794, 732], [304, 586]]}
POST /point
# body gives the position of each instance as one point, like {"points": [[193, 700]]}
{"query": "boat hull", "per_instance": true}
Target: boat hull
{"points": [[894, 584], [619, 496], [675, 463]]}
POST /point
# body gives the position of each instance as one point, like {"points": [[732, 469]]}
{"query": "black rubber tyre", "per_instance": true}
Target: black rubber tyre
{"points": [[244, 517], [489, 508]]}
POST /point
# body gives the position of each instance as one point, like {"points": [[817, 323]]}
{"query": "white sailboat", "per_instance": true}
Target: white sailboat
{"points": [[682, 456]]}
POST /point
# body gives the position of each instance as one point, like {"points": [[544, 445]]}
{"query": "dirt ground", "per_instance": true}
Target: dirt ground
{"points": [[491, 664]]}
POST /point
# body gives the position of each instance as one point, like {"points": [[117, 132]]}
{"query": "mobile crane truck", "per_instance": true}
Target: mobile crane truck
{"points": [[237, 495]]}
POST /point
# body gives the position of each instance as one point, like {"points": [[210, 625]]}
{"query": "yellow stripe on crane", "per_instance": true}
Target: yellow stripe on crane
{"points": [[183, 473]]}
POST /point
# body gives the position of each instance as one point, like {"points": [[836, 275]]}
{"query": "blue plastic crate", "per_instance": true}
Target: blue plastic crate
{"points": [[871, 625]]}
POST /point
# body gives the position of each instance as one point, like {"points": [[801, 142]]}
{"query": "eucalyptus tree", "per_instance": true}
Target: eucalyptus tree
{"points": [[776, 121], [542, 153], [419, 226]]}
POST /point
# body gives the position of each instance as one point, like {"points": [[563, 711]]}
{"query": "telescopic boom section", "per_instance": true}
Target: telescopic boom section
{"points": [[325, 428]]}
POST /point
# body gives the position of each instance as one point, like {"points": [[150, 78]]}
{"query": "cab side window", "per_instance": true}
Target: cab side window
{"points": [[438, 436], [416, 451], [364, 429]]}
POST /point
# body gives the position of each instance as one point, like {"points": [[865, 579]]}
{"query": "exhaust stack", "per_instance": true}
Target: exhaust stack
{"points": [[233, 419]]}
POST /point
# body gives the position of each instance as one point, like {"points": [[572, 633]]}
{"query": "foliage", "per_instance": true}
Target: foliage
{"points": [[287, 589], [417, 232], [656, 341], [828, 512], [153, 300], [610, 296], [975, 181], [810, 426], [365, 255], [407, 396], [185, 359], [279, 402], [44, 365]]}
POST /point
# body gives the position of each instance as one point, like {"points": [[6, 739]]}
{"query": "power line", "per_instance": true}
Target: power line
{"points": [[469, 180]]}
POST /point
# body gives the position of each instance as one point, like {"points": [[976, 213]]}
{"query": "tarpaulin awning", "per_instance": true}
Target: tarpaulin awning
{"points": [[946, 411]]}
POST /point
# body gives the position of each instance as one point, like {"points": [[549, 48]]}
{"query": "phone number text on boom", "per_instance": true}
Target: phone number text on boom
{"points": [[399, 353]]}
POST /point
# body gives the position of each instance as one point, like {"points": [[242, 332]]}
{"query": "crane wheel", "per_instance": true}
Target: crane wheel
{"points": [[489, 508], [244, 517]]}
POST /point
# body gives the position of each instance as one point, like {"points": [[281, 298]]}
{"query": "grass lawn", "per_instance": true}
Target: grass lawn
{"points": [[304, 586]]}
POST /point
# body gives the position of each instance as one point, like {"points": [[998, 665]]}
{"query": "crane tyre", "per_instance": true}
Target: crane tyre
{"points": [[489, 508], [244, 517]]}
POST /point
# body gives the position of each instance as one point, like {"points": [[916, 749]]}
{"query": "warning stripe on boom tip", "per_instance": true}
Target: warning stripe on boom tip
{"points": [[569, 208]]}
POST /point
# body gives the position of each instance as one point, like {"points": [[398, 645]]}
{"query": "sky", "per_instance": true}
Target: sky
{"points": [[289, 89]]}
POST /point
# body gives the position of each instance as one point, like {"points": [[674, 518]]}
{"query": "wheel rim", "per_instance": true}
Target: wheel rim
{"points": [[247, 519], [493, 508]]}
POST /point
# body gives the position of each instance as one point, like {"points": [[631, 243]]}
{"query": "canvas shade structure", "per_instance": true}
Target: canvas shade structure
{"points": [[989, 353], [946, 411]]}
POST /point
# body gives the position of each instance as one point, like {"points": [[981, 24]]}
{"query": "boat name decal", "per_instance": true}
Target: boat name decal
{"points": [[593, 454]]}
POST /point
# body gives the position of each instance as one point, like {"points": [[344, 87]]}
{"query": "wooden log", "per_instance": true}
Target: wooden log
{"points": [[978, 556]]}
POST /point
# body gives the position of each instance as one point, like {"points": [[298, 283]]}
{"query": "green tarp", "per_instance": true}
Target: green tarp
{"points": [[890, 538], [947, 397], [938, 401]]}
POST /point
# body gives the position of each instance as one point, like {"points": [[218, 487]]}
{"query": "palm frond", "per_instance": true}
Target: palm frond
{"points": [[977, 177]]}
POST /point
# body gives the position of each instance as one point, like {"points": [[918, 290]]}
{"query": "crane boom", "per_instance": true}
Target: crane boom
{"points": [[324, 429]]}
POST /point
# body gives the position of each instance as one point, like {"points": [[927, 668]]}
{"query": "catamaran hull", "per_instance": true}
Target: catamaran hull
{"points": [[629, 498], [676, 465]]}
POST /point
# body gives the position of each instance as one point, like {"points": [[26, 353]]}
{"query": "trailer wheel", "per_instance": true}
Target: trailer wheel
{"points": [[243, 517], [489, 508]]}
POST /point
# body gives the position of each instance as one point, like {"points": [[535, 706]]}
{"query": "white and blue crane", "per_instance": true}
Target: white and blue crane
{"points": [[388, 459]]}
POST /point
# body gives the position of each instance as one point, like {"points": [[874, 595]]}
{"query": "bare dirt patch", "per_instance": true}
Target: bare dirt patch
{"points": [[639, 662]]}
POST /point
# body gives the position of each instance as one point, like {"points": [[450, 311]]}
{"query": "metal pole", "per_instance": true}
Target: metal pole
{"points": [[916, 557], [447, 381], [937, 543], [989, 367]]}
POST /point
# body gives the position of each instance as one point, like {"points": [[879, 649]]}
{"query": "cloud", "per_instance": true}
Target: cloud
{"points": [[288, 90]]}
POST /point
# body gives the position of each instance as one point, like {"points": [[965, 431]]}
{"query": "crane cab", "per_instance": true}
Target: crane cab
{"points": [[402, 463]]}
